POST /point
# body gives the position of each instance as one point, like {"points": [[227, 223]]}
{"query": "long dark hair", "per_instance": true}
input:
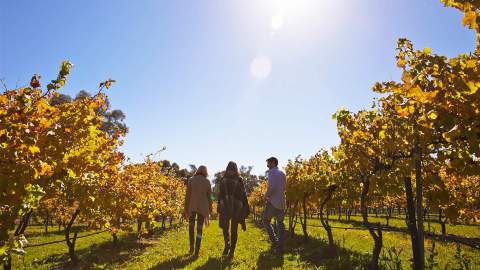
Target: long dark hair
{"points": [[232, 170]]}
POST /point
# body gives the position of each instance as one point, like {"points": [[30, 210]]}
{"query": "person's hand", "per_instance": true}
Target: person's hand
{"points": [[206, 221]]}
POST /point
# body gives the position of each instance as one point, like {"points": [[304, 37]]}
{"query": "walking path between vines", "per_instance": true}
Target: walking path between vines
{"points": [[167, 249]]}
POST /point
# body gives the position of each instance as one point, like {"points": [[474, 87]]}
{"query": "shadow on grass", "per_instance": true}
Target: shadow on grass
{"points": [[179, 262], [317, 252], [100, 255], [40, 233], [103, 254], [270, 260], [314, 252], [473, 242], [63, 240], [182, 261], [215, 263]]}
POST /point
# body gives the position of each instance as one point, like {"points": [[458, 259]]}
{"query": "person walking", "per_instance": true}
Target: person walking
{"points": [[233, 207], [198, 205], [275, 205]]}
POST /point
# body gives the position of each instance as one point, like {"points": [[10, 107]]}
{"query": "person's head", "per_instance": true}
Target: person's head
{"points": [[272, 162], [202, 170], [232, 170]]}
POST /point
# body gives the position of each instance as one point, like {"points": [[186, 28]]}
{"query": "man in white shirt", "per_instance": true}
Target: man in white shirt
{"points": [[275, 204]]}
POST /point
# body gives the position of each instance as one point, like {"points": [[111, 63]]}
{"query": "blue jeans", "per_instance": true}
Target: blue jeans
{"points": [[277, 234]]}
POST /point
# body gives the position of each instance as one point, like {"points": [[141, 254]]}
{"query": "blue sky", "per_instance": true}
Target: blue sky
{"points": [[184, 68]]}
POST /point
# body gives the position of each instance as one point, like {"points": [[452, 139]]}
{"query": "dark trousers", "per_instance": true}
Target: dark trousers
{"points": [[230, 237], [191, 228]]}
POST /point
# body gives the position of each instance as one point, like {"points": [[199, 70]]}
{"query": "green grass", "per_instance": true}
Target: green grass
{"points": [[168, 250], [460, 230], [361, 241], [48, 256]]}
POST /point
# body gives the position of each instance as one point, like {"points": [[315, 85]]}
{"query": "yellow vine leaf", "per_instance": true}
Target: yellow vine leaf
{"points": [[411, 109], [381, 134], [473, 87], [470, 19], [471, 63], [33, 149], [45, 169], [432, 115]]}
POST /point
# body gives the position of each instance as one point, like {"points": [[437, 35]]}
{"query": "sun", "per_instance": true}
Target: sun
{"points": [[283, 9], [293, 7], [277, 22]]}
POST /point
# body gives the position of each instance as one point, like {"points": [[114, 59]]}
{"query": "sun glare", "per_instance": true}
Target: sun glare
{"points": [[286, 8], [293, 21], [292, 7], [287, 11], [277, 22], [260, 67]]}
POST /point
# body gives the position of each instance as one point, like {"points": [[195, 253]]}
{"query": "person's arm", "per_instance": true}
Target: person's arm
{"points": [[245, 211], [221, 191], [220, 196], [244, 198], [187, 198], [209, 195], [270, 186]]}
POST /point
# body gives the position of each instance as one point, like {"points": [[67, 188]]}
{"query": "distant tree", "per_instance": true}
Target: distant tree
{"points": [[216, 178], [250, 180], [83, 94], [193, 168], [60, 99], [175, 169], [113, 118], [114, 121]]}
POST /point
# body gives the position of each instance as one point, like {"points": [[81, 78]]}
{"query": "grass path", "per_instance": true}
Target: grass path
{"points": [[168, 250], [252, 252]]}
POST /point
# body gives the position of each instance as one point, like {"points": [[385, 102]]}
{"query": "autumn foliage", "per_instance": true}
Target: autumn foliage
{"points": [[61, 160]]}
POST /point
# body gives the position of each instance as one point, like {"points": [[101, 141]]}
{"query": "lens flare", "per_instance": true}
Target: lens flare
{"points": [[261, 67]]}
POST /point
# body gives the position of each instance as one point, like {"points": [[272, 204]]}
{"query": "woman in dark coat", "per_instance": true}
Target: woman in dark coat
{"points": [[232, 207]]}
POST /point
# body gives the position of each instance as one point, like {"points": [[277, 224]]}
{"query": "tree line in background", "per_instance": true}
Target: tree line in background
{"points": [[415, 149]]}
